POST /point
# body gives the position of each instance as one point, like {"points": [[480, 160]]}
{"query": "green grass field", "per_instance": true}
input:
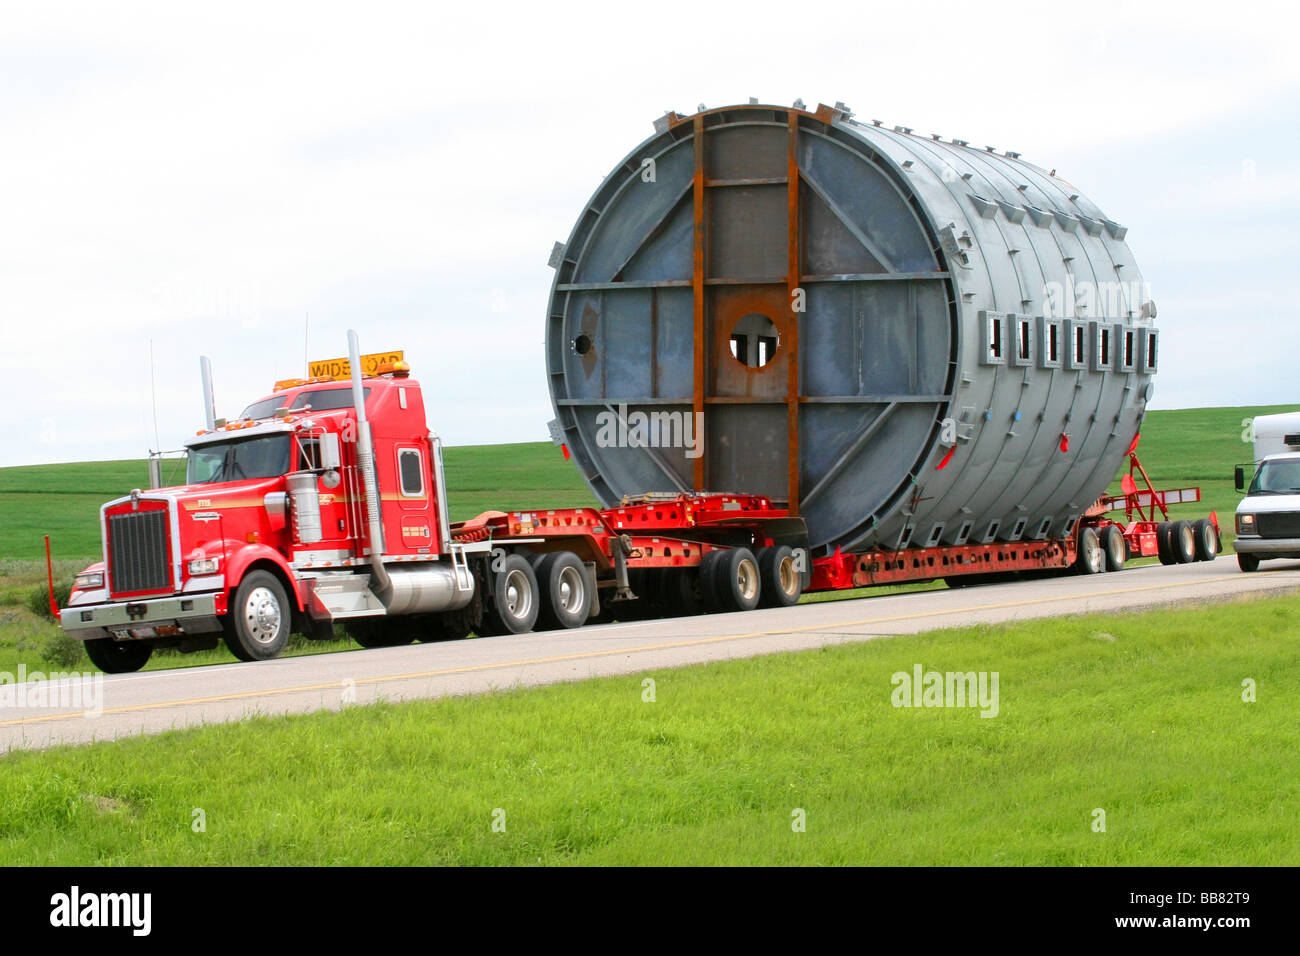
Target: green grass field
{"points": [[1140, 716]]}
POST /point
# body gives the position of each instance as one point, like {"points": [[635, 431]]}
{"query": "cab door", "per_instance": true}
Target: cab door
{"points": [[414, 497]]}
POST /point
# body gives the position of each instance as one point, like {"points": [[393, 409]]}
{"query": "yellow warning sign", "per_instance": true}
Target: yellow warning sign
{"points": [[341, 369]]}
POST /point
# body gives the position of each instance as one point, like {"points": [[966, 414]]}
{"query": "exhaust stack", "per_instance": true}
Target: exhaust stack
{"points": [[366, 462], [209, 399]]}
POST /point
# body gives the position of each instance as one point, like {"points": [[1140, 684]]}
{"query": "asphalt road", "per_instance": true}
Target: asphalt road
{"points": [[155, 701]]}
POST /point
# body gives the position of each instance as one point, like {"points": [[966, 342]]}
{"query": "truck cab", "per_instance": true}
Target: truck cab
{"points": [[1268, 518], [322, 502]]}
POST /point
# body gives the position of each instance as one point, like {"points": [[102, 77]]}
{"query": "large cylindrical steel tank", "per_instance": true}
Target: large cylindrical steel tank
{"points": [[913, 340]]}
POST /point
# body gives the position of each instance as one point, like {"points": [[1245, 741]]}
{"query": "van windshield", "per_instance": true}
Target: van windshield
{"points": [[266, 456], [1276, 478]]}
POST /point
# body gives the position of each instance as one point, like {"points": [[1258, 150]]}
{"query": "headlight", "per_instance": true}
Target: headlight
{"points": [[1245, 524], [203, 566], [88, 580]]}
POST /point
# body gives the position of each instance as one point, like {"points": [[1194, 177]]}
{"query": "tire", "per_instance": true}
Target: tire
{"points": [[1247, 563], [1114, 547], [257, 622], [562, 580], [118, 657], [372, 632], [782, 584], [1165, 542], [1207, 540], [678, 592], [1183, 542], [1091, 559], [737, 584], [515, 599], [707, 575]]}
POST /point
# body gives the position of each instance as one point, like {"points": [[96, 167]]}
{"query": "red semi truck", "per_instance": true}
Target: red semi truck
{"points": [[325, 502]]}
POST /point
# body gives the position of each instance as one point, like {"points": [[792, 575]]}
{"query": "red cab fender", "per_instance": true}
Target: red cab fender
{"points": [[240, 556]]}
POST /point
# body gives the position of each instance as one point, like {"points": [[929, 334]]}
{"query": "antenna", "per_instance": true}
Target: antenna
{"points": [[306, 352], [153, 393]]}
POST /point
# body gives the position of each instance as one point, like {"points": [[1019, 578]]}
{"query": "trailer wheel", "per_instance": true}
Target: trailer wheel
{"points": [[257, 624], [118, 657], [1207, 540], [737, 584], [1184, 542], [1247, 563], [1165, 542], [782, 584], [707, 578], [1091, 559], [1115, 547], [562, 580], [514, 598]]}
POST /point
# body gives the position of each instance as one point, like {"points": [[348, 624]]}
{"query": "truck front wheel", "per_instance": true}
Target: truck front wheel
{"points": [[118, 657], [257, 624]]}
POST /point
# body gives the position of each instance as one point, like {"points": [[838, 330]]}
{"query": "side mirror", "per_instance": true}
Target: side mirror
{"points": [[1239, 477], [329, 451]]}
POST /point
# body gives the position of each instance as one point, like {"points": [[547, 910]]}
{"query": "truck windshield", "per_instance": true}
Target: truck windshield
{"points": [[1276, 478], [266, 456]]}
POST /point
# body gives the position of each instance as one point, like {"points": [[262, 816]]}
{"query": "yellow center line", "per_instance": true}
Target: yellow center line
{"points": [[611, 652]]}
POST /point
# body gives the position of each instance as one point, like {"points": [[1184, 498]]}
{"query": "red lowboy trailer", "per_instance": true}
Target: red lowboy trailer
{"points": [[326, 503]]}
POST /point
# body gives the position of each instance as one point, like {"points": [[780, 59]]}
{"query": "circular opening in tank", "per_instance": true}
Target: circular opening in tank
{"points": [[754, 340], [582, 344]]}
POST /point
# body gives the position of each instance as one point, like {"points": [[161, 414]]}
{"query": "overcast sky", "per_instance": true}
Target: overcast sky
{"points": [[206, 177]]}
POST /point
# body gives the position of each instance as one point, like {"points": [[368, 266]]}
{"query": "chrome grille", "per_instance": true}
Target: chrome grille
{"points": [[137, 552], [1280, 524]]}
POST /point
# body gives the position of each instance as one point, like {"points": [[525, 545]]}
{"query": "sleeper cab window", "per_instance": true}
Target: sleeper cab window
{"points": [[410, 468]]}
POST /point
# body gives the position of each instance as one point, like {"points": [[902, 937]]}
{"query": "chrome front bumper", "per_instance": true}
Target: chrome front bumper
{"points": [[140, 620]]}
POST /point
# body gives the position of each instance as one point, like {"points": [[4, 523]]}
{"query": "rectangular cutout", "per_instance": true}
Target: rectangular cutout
{"points": [[1024, 344], [1049, 342], [1150, 350], [1076, 345], [993, 338]]}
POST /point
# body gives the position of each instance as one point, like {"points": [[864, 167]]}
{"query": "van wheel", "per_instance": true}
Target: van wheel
{"points": [[257, 622], [1184, 542], [1207, 540], [782, 584], [118, 657], [562, 580], [1115, 547], [514, 598]]}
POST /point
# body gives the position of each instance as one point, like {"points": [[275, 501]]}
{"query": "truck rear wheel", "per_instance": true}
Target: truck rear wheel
{"points": [[514, 598], [562, 580], [782, 584], [737, 584], [118, 657], [1115, 548], [1091, 559], [1184, 542], [1207, 540], [257, 623]]}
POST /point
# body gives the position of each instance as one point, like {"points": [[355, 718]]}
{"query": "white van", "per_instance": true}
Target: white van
{"points": [[1268, 518]]}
